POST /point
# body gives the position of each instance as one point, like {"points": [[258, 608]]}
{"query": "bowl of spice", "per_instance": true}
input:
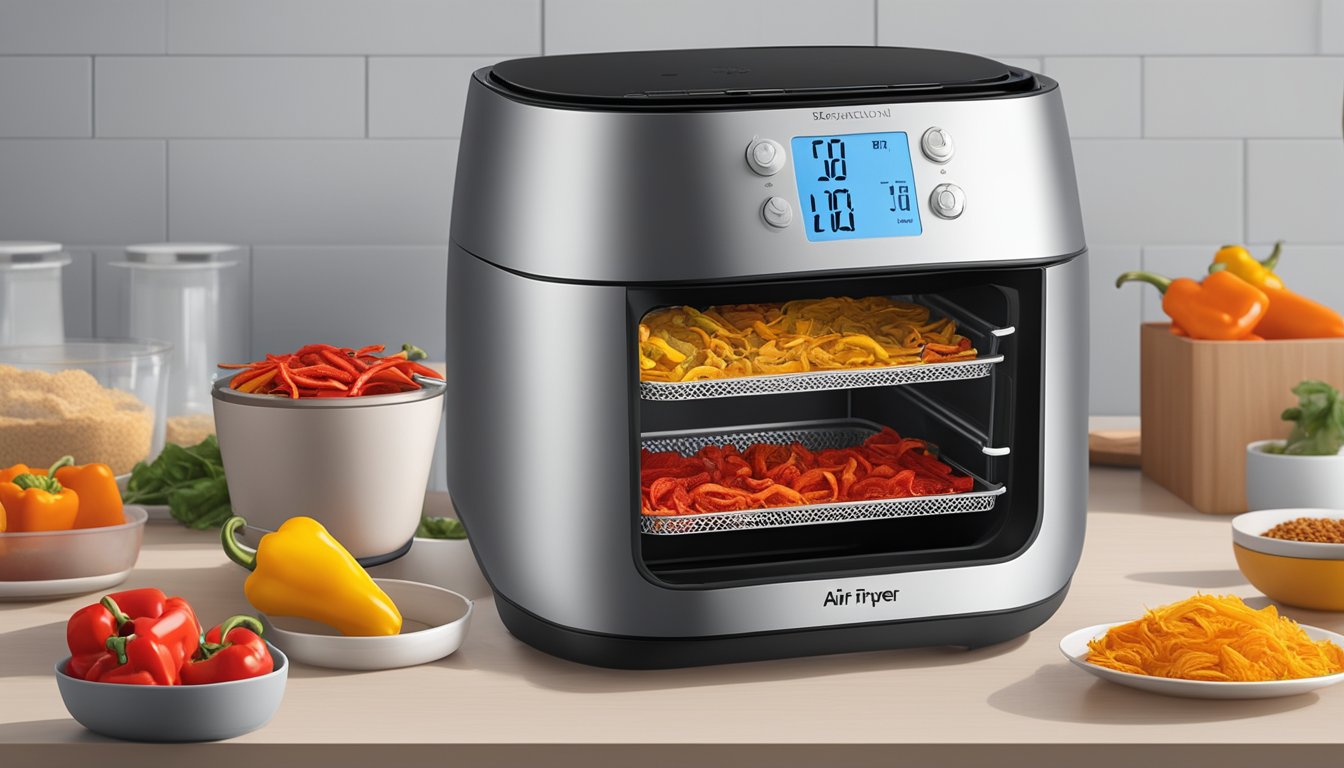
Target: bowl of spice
{"points": [[1294, 556], [98, 399]]}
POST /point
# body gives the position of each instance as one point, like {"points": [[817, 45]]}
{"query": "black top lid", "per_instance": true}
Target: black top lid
{"points": [[712, 78]]}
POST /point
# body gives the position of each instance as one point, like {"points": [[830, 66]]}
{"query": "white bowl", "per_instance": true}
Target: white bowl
{"points": [[1248, 531], [39, 565], [1276, 481], [357, 465], [434, 623], [447, 563]]}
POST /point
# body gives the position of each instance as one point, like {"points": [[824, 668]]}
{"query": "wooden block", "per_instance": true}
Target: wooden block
{"points": [[1203, 401]]}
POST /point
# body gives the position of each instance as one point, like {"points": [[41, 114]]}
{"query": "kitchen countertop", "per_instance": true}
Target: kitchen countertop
{"points": [[499, 702]]}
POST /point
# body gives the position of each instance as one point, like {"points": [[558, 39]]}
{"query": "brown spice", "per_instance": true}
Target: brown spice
{"points": [[44, 416], [1320, 530]]}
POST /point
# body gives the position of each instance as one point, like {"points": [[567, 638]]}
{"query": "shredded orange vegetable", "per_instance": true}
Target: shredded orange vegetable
{"points": [[737, 340], [1215, 638]]}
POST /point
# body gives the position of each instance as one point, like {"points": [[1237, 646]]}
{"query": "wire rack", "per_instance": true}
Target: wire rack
{"points": [[818, 380], [815, 436]]}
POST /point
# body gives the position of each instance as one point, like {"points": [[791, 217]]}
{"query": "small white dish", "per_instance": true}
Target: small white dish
{"points": [[447, 563], [1074, 648], [1279, 481], [1248, 531], [434, 624]]}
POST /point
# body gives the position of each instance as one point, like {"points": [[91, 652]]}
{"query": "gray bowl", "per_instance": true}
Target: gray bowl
{"points": [[178, 712]]}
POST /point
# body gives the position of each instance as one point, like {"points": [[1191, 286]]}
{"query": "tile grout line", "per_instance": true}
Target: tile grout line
{"points": [[875, 12], [1245, 190], [368, 64], [542, 43], [167, 196], [93, 97]]}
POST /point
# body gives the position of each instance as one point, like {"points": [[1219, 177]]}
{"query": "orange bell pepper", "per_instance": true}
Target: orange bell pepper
{"points": [[1290, 315], [1223, 307], [35, 502], [99, 497]]}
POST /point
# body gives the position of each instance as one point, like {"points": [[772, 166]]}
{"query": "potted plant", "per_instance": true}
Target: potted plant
{"points": [[1307, 469]]}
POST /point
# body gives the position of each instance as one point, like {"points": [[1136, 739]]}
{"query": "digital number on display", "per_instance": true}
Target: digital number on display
{"points": [[855, 186]]}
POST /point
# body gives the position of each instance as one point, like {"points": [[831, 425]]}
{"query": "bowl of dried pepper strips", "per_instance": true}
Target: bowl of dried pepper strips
{"points": [[342, 435]]}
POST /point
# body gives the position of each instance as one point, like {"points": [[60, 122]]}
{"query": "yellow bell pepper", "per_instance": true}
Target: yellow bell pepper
{"points": [[36, 502], [1241, 263], [301, 570]]}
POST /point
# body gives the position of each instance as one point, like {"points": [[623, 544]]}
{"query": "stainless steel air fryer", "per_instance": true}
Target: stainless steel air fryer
{"points": [[592, 189]]}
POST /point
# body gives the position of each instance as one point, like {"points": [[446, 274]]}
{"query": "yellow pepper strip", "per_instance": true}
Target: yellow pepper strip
{"points": [[37, 502], [300, 570], [667, 350], [252, 385], [1241, 263]]}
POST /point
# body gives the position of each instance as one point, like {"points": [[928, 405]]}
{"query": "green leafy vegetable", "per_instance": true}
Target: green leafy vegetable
{"points": [[1319, 421], [440, 528], [189, 480]]}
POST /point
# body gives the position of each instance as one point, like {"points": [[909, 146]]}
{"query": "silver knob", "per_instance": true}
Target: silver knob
{"points": [[937, 145], [777, 212], [947, 201], [766, 157]]}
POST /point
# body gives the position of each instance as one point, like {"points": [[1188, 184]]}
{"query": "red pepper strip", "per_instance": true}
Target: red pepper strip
{"points": [[382, 388], [293, 389], [369, 350], [233, 650], [242, 377], [313, 383], [358, 386], [394, 375], [330, 371], [339, 360], [153, 651], [235, 366]]}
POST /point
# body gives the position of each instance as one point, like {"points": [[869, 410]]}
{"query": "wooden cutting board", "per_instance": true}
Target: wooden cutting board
{"points": [[1113, 447]]}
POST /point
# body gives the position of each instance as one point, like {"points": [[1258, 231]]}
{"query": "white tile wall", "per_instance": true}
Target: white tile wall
{"points": [[1102, 95], [82, 191], [1332, 26], [1296, 191], [1263, 97], [419, 97], [312, 192], [451, 27], [1160, 191], [580, 26], [1102, 27], [45, 96], [230, 97], [380, 295], [77, 295], [81, 26], [323, 132]]}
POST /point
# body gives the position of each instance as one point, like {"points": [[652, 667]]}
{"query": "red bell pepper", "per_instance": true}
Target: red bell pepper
{"points": [[233, 650], [154, 649], [87, 631]]}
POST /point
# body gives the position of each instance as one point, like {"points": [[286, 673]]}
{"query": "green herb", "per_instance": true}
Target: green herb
{"points": [[189, 480], [1319, 421], [440, 528]]}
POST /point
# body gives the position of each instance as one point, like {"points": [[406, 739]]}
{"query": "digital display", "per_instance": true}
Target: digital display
{"points": [[857, 185]]}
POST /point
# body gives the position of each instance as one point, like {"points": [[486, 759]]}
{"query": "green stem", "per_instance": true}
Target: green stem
{"points": [[237, 552], [45, 482], [118, 646], [413, 352], [1273, 260], [119, 615], [1161, 282], [234, 622]]}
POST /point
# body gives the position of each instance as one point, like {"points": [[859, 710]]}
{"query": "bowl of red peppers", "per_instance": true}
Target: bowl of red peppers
{"points": [[342, 435], [141, 668]]}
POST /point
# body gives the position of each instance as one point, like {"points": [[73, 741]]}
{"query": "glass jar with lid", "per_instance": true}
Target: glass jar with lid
{"points": [[30, 293]]}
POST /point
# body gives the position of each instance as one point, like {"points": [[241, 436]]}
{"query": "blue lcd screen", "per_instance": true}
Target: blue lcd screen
{"points": [[857, 185]]}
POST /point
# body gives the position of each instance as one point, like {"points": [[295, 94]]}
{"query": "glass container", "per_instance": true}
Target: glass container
{"points": [[30, 293]]}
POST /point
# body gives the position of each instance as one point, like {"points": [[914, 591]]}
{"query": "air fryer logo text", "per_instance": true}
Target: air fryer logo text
{"points": [[855, 114], [860, 596]]}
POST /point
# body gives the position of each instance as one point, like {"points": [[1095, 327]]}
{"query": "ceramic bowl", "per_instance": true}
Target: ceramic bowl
{"points": [[178, 712], [434, 624], [1301, 573], [357, 465], [47, 564], [1276, 481]]}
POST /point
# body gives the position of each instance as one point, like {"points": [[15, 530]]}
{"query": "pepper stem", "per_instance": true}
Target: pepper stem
{"points": [[237, 552], [117, 614], [1161, 282], [413, 352], [1272, 260], [117, 645]]}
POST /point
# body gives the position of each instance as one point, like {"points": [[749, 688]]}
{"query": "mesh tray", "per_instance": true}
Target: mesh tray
{"points": [[818, 380], [815, 436]]}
